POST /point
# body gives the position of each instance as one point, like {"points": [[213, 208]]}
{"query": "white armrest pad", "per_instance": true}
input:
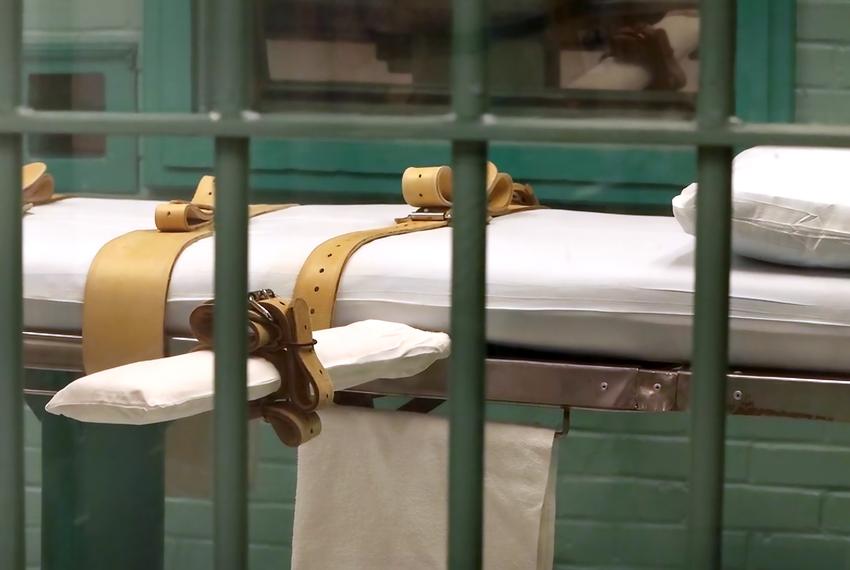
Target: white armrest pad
{"points": [[181, 386]]}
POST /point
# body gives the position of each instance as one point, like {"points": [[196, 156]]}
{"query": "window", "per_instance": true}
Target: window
{"points": [[67, 92], [291, 72], [569, 57]]}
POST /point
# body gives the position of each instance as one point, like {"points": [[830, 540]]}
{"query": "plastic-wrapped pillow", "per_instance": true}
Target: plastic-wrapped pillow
{"points": [[790, 206]]}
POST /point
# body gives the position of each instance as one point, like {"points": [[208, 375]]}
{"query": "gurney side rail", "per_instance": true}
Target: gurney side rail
{"points": [[559, 383]]}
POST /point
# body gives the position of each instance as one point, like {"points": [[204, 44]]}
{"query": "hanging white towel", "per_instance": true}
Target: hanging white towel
{"points": [[372, 494]]}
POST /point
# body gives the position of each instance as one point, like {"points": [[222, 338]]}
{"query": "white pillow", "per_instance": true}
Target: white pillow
{"points": [[181, 386], [790, 205]]}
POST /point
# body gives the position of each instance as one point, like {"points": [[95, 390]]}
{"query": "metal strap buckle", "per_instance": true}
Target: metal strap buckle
{"points": [[426, 215], [260, 295]]}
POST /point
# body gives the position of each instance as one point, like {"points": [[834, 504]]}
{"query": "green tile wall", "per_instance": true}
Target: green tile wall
{"points": [[622, 497], [823, 54]]}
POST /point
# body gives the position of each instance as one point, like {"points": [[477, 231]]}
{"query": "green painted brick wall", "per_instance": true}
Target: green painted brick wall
{"points": [[823, 61], [622, 497]]}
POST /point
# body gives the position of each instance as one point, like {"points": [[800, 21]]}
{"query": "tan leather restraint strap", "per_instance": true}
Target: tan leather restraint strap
{"points": [[37, 186], [280, 332], [127, 283], [430, 190]]}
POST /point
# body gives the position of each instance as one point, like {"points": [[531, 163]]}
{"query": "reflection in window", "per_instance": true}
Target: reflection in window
{"points": [[572, 55], [64, 92]]}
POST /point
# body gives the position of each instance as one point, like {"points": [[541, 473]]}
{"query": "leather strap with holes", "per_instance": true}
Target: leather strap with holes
{"points": [[430, 190], [127, 283], [37, 186], [280, 332]]}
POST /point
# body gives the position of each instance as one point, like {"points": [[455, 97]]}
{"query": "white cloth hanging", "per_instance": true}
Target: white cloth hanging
{"points": [[372, 494]]}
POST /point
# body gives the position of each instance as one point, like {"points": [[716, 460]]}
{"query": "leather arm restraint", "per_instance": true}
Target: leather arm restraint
{"points": [[279, 331], [127, 286], [428, 189], [37, 186], [127, 283]]}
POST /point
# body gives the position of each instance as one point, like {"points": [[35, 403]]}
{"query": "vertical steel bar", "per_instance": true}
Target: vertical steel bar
{"points": [[466, 389], [711, 314], [12, 555], [231, 283]]}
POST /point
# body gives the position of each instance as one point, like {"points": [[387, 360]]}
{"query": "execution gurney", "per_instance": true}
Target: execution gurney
{"points": [[584, 309]]}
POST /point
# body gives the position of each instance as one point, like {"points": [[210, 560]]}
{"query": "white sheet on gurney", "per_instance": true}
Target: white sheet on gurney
{"points": [[579, 282], [181, 386]]}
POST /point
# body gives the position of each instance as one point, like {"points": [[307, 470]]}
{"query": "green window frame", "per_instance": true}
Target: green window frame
{"points": [[117, 170], [616, 177]]}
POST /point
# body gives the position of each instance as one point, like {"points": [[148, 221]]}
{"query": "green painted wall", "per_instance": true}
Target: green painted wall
{"points": [[622, 490], [823, 56], [622, 497], [83, 18]]}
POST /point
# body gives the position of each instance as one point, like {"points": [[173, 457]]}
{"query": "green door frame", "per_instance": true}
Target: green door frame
{"points": [[116, 170], [315, 171]]}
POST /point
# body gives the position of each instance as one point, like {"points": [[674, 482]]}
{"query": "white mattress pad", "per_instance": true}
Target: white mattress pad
{"points": [[582, 283]]}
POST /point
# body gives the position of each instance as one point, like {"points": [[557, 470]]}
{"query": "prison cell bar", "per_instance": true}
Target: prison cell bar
{"points": [[715, 106], [11, 366], [330, 125], [231, 40], [466, 372]]}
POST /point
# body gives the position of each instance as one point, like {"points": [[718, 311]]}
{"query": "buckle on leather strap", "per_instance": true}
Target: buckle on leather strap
{"points": [[260, 295], [426, 215]]}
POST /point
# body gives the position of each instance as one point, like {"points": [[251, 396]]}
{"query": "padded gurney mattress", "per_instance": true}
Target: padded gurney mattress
{"points": [[581, 283]]}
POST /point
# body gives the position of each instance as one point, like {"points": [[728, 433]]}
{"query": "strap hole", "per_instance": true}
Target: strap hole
{"points": [[312, 311], [321, 270], [315, 289], [321, 371], [420, 176], [420, 195], [339, 245], [168, 213], [330, 255]]}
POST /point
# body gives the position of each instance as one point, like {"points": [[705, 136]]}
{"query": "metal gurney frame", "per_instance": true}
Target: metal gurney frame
{"points": [[561, 382], [93, 471]]}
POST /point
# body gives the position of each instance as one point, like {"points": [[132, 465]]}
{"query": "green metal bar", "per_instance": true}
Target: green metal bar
{"points": [[92, 476], [231, 285], [716, 99], [229, 89], [61, 540], [466, 372], [710, 359], [441, 127], [119, 477], [12, 552], [711, 314], [783, 58]]}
